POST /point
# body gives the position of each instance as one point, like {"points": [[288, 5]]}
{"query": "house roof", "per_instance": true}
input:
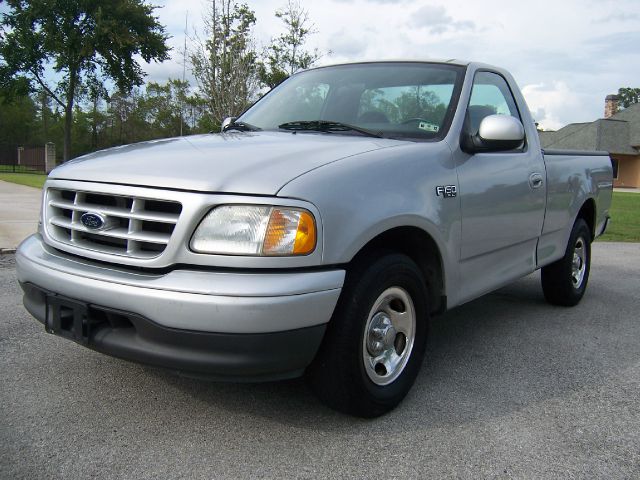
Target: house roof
{"points": [[631, 114], [619, 133]]}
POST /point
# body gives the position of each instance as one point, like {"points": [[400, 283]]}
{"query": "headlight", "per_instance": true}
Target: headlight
{"points": [[255, 230]]}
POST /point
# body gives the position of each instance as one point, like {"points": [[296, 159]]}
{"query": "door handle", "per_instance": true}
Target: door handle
{"points": [[535, 180]]}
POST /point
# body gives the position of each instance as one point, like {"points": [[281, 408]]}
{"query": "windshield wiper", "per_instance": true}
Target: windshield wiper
{"points": [[327, 126], [242, 126]]}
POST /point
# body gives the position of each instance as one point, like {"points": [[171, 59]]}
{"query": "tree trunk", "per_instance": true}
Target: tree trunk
{"points": [[68, 115], [94, 124], [45, 124], [68, 122]]}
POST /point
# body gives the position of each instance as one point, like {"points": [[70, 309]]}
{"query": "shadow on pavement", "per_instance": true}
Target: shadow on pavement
{"points": [[488, 358]]}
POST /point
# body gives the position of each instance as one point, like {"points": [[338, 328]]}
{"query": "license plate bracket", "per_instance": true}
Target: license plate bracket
{"points": [[68, 318]]}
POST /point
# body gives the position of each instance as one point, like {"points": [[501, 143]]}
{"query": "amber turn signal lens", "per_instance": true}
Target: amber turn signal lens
{"points": [[305, 236], [289, 232]]}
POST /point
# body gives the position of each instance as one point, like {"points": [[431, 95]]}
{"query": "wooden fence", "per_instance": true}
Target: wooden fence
{"points": [[27, 159]]}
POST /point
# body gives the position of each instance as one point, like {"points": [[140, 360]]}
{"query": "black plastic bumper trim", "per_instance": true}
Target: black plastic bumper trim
{"points": [[218, 356]]}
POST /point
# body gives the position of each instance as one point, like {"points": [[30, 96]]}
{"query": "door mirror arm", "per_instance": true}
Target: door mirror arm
{"points": [[226, 123]]}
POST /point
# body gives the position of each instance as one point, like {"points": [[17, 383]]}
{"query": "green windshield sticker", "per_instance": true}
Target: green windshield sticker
{"points": [[429, 127]]}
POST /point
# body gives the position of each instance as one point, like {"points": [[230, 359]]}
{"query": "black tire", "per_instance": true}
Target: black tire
{"points": [[339, 374], [562, 283]]}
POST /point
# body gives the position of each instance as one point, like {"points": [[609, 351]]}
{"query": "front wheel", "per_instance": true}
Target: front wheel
{"points": [[565, 281], [375, 341]]}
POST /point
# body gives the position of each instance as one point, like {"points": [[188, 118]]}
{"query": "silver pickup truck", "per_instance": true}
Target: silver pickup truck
{"points": [[318, 232]]}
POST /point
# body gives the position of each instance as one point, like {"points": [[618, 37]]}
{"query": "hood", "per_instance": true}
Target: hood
{"points": [[236, 162]]}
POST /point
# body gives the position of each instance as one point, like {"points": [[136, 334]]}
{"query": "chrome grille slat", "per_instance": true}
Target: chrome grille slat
{"points": [[125, 234], [113, 250], [137, 227], [117, 212]]}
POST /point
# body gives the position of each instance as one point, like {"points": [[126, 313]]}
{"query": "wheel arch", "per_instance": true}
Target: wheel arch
{"points": [[588, 213], [422, 248]]}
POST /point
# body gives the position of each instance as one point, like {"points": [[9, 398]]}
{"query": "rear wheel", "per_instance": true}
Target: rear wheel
{"points": [[565, 281], [376, 339]]}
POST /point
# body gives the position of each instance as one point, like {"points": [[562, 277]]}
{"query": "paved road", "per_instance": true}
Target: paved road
{"points": [[512, 388], [19, 209]]}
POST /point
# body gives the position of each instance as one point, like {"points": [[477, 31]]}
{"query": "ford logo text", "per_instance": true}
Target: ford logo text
{"points": [[93, 221]]}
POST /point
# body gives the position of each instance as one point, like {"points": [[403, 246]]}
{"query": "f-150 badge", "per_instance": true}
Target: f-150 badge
{"points": [[446, 191]]}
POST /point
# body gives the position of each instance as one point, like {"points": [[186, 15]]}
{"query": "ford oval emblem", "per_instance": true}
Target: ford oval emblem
{"points": [[93, 221]]}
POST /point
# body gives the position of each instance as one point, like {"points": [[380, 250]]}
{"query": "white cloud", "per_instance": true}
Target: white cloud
{"points": [[551, 103], [569, 62], [618, 17], [437, 20], [373, 1], [345, 44]]}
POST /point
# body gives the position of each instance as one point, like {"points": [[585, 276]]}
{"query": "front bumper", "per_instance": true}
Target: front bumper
{"points": [[219, 324]]}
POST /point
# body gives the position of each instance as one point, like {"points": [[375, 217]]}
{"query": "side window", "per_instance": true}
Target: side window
{"points": [[490, 96]]}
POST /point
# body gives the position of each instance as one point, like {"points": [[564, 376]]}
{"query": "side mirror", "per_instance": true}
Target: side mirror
{"points": [[496, 133], [226, 122]]}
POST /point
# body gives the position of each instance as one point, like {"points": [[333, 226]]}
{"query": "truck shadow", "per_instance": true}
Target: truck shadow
{"points": [[488, 358]]}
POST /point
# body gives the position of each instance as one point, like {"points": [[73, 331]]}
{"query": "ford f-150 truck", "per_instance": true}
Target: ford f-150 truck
{"points": [[318, 232]]}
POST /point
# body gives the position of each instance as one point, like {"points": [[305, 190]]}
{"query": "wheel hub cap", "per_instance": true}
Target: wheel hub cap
{"points": [[578, 265], [389, 336], [382, 334]]}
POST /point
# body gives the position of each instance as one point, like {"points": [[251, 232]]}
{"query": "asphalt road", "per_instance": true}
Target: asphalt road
{"points": [[511, 388]]}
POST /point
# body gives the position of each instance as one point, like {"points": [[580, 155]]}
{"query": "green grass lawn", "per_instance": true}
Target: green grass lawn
{"points": [[28, 179], [18, 169], [625, 218]]}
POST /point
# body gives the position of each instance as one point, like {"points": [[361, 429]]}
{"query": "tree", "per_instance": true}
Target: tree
{"points": [[95, 91], [286, 54], [79, 40], [164, 106], [224, 63], [44, 103], [126, 123], [628, 96], [18, 119]]}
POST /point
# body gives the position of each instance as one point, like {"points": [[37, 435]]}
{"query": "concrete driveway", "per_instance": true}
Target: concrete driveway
{"points": [[19, 210], [511, 388]]}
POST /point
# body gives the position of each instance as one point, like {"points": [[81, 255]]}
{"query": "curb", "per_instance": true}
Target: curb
{"points": [[6, 251]]}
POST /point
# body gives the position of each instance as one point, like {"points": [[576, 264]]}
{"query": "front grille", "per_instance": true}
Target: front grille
{"points": [[134, 227]]}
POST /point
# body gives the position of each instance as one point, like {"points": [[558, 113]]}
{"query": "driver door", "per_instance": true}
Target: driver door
{"points": [[502, 199]]}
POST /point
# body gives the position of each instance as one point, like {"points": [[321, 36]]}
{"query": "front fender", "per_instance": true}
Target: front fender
{"points": [[366, 195]]}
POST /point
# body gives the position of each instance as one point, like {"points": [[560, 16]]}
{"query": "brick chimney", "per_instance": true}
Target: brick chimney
{"points": [[610, 105]]}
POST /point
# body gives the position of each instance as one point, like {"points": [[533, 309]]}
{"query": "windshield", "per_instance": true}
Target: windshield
{"points": [[393, 100]]}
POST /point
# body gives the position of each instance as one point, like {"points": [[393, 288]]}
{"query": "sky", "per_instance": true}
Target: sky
{"points": [[566, 55]]}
